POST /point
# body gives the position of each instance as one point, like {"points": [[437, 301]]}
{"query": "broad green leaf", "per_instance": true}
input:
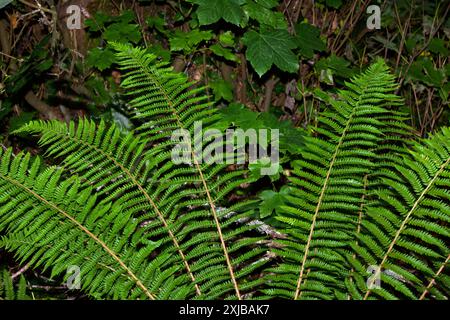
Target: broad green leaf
{"points": [[100, 58], [270, 47], [308, 40], [227, 39], [187, 41], [211, 11], [424, 71], [333, 66], [223, 52], [439, 46], [222, 90], [291, 138], [269, 4], [122, 32], [271, 201], [157, 23], [160, 52], [336, 4], [264, 15], [97, 22]]}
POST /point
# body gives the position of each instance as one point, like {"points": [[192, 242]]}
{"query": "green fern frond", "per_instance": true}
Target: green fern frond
{"points": [[176, 204], [50, 219], [10, 290], [329, 182], [405, 231], [166, 101]]}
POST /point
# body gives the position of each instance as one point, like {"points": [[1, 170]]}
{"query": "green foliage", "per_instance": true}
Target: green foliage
{"points": [[291, 138], [187, 42], [10, 290], [211, 11], [354, 204], [261, 12], [357, 190], [270, 47], [404, 230], [271, 201], [137, 224], [100, 58], [308, 40]]}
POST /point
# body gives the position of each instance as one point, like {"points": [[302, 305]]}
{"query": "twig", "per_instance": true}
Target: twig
{"points": [[22, 270], [37, 6], [41, 106]]}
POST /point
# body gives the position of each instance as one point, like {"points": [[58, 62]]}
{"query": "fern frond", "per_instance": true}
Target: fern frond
{"points": [[99, 156], [329, 187], [176, 204], [162, 100], [405, 231], [49, 214], [10, 290]]}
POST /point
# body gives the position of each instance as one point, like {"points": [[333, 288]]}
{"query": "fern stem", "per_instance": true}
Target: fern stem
{"points": [[219, 230], [85, 230], [433, 280], [403, 225], [360, 217]]}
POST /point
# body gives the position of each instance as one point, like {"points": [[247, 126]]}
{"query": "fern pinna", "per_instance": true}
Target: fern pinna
{"points": [[171, 238], [11, 291]]}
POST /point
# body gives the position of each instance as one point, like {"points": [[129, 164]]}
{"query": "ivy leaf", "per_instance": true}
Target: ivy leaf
{"points": [[271, 201], [308, 40], [211, 11], [270, 47], [122, 32], [264, 15], [222, 90], [182, 41], [100, 59], [217, 49]]}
